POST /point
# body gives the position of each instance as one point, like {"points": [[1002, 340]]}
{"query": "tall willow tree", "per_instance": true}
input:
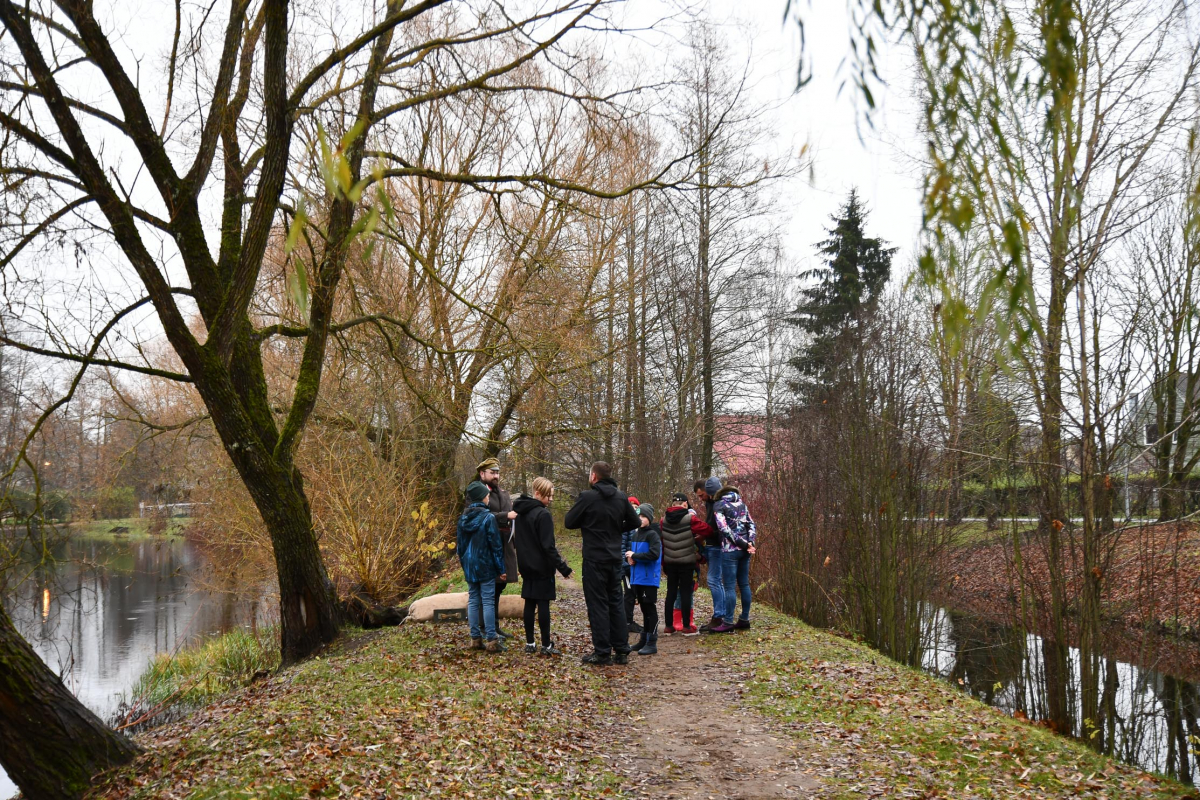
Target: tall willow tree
{"points": [[259, 142]]}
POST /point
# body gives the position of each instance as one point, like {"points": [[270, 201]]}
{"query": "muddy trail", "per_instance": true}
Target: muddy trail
{"points": [[688, 734]]}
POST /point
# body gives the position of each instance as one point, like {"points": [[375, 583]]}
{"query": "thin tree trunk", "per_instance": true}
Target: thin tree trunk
{"points": [[1051, 511], [1089, 617]]}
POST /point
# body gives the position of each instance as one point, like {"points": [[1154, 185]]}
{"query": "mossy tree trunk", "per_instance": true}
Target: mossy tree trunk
{"points": [[50, 743], [227, 367]]}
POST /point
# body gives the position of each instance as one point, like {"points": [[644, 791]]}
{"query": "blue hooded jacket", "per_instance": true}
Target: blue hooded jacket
{"points": [[480, 550], [646, 544]]}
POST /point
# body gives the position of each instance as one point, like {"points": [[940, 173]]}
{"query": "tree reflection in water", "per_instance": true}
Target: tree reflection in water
{"points": [[1148, 718]]}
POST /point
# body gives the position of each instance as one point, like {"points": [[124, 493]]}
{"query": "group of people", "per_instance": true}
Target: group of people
{"points": [[626, 553]]}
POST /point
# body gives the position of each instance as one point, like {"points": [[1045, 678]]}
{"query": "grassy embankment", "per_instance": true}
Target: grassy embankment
{"points": [[128, 528], [882, 729], [409, 712]]}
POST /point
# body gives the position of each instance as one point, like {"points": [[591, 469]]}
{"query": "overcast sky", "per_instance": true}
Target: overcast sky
{"points": [[879, 162]]}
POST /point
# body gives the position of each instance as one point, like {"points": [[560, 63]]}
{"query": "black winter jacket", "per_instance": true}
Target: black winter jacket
{"points": [[602, 514], [534, 535], [678, 543]]}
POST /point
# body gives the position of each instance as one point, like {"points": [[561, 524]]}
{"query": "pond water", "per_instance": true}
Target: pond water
{"points": [[105, 607], [1154, 716]]}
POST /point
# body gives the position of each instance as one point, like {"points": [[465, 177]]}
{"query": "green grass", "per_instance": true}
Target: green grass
{"points": [[909, 731], [136, 528], [405, 712], [974, 533], [197, 674]]}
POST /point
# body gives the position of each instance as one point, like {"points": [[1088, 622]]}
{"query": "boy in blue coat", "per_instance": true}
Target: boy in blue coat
{"points": [[481, 554], [645, 560]]}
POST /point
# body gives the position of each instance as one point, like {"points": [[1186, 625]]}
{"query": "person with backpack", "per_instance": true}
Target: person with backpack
{"points": [[602, 514], [481, 555], [738, 532], [680, 555], [538, 558], [645, 560]]}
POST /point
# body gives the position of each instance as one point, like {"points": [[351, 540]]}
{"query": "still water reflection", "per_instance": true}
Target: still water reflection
{"points": [[1150, 718], [104, 607]]}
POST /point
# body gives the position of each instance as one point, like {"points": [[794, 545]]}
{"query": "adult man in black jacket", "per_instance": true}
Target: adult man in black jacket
{"points": [[602, 514]]}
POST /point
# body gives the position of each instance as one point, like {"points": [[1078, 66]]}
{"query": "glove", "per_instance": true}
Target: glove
{"points": [[566, 572]]}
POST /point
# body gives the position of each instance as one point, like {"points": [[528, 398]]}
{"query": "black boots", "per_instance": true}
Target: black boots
{"points": [[648, 644]]}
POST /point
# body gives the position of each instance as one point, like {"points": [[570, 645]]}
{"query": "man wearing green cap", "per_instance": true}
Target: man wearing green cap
{"points": [[500, 504]]}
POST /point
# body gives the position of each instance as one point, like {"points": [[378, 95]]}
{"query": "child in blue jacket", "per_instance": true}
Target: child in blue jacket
{"points": [[645, 560], [481, 554]]}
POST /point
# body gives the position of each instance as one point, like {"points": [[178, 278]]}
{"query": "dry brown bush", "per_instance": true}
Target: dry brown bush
{"points": [[374, 533]]}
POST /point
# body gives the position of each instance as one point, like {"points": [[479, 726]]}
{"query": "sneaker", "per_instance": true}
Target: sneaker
{"points": [[597, 660], [635, 628], [742, 625], [722, 628], [714, 622], [620, 658], [549, 651], [477, 644], [530, 648], [690, 630], [494, 646], [669, 630]]}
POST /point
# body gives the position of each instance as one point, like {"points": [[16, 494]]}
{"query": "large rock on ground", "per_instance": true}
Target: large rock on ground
{"points": [[453, 606]]}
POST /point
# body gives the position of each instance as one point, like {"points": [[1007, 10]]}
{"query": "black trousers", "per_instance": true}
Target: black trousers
{"points": [[630, 601], [679, 582], [647, 597], [499, 588], [542, 609], [605, 607]]}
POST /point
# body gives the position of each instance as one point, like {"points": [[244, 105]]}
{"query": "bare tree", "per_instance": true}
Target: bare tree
{"points": [[139, 168]]}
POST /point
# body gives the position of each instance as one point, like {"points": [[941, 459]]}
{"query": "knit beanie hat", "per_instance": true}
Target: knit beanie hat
{"points": [[712, 486], [646, 510], [477, 492], [633, 501]]}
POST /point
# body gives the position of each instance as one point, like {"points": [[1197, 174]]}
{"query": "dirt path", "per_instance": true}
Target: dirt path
{"points": [[691, 736]]}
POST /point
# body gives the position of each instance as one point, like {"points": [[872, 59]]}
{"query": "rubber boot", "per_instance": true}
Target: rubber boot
{"points": [[651, 645], [641, 642]]}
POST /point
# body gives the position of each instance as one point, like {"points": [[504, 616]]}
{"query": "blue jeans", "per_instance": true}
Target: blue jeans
{"points": [[736, 569], [481, 609], [716, 579]]}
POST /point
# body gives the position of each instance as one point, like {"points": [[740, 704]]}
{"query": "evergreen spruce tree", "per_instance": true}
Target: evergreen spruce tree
{"points": [[844, 290]]}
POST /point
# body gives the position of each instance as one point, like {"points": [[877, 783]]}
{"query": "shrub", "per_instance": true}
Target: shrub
{"points": [[115, 502], [196, 674], [376, 533]]}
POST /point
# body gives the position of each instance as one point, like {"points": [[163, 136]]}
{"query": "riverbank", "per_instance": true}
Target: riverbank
{"points": [[1151, 590], [779, 711], [130, 528]]}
